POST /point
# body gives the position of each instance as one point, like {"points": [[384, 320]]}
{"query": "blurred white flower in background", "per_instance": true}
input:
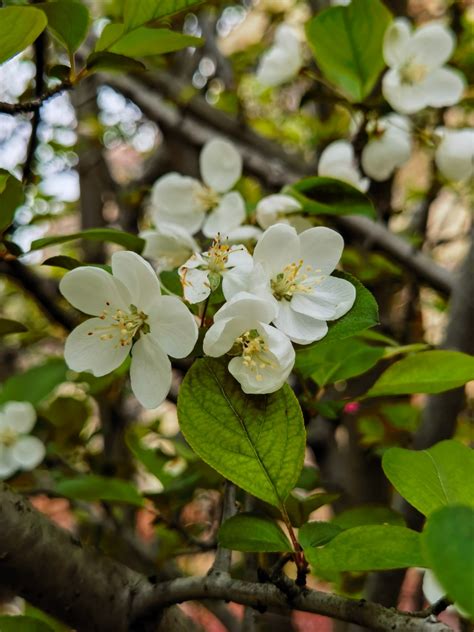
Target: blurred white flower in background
{"points": [[338, 161], [389, 146], [169, 247], [417, 77], [18, 449], [283, 209], [283, 60], [454, 156]]}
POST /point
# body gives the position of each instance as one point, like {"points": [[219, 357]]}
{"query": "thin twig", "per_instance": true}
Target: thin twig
{"points": [[223, 557], [34, 104]]}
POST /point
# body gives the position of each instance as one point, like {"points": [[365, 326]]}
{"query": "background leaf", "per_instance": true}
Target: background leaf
{"points": [[34, 384], [92, 487], [127, 240], [23, 624], [314, 534], [11, 195], [110, 62], [139, 12], [142, 42], [252, 533], [68, 20], [19, 27], [368, 514], [8, 326]]}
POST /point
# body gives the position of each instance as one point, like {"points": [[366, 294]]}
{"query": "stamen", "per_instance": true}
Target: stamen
{"points": [[128, 324], [292, 280]]}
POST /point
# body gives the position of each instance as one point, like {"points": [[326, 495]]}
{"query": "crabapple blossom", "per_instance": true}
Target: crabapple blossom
{"points": [[338, 161], [130, 317], [417, 76], [263, 356], [170, 246], [389, 146], [274, 209], [202, 273], [292, 273], [18, 449], [210, 205], [282, 61], [455, 154]]}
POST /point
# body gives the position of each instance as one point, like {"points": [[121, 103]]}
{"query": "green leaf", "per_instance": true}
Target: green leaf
{"points": [[110, 62], [12, 194], [256, 441], [426, 372], [127, 240], [22, 624], [92, 487], [430, 479], [327, 196], [139, 12], [142, 42], [368, 514], [251, 533], [369, 548], [62, 261], [8, 326], [34, 384], [448, 544], [313, 534], [330, 361], [347, 43], [300, 508], [68, 20], [19, 27]]}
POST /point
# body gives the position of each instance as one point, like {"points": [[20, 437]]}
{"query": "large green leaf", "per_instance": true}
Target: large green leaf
{"points": [[142, 42], [426, 372], [369, 548], [8, 326], [327, 196], [19, 27], [368, 514], [139, 12], [11, 194], [22, 624], [314, 534], [256, 441], [448, 544], [127, 240], [92, 487], [430, 479], [347, 44], [68, 20], [111, 62], [34, 384], [252, 533]]}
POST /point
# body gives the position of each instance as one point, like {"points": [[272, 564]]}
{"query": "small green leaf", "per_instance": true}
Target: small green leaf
{"points": [[347, 44], [8, 326], [127, 240], [327, 196], [142, 42], [251, 533], [314, 534], [22, 624], [111, 62], [92, 488], [34, 384], [62, 261], [430, 479], [19, 27], [426, 372], [300, 508], [448, 544], [139, 12], [368, 514], [256, 441], [369, 548], [68, 20], [11, 196]]}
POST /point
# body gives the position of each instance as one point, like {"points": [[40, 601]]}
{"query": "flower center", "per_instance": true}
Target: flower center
{"points": [[207, 198], [294, 279], [412, 73], [251, 346], [129, 324], [217, 255], [8, 437]]}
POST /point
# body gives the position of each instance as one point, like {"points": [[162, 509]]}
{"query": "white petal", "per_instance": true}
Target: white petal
{"points": [[321, 248], [397, 37], [221, 336], [220, 164], [270, 209], [85, 351], [20, 416], [280, 346], [169, 247], [298, 327], [138, 277], [243, 234], [173, 327], [174, 193], [28, 452], [240, 257], [196, 286], [89, 289], [236, 281], [150, 372], [339, 292], [455, 154], [443, 87], [227, 216], [381, 156], [403, 98], [279, 64], [7, 464], [252, 309], [337, 161], [432, 44], [313, 306], [277, 247]]}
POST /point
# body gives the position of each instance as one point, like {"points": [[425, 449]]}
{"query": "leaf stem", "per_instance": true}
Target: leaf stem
{"points": [[298, 556]]}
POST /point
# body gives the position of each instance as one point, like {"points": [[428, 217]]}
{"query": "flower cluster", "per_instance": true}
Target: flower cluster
{"points": [[18, 449]]}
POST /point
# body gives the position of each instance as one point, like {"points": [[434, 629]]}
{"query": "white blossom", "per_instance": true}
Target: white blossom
{"points": [[389, 146], [280, 208], [170, 246], [338, 161], [263, 356], [283, 60], [455, 154], [130, 316], [417, 77], [18, 449], [292, 273], [210, 205], [202, 273]]}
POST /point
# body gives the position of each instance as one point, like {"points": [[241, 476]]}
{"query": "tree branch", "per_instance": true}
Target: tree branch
{"points": [[34, 104]]}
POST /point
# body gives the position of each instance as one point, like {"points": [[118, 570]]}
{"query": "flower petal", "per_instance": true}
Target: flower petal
{"points": [[150, 372], [277, 247], [243, 233], [20, 416], [298, 327], [173, 327], [455, 154], [339, 292], [321, 248], [443, 87], [403, 98], [7, 464], [251, 308], [280, 346], [85, 351], [396, 39], [170, 247], [221, 336], [432, 44], [240, 257], [28, 452], [270, 209], [227, 216], [220, 164], [89, 289], [176, 201], [138, 277], [337, 161], [196, 286], [313, 306], [382, 155], [236, 281]]}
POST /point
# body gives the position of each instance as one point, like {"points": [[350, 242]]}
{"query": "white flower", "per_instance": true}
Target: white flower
{"points": [[263, 356], [291, 272], [244, 233], [202, 273], [389, 146], [184, 201], [282, 61], [455, 154], [337, 161], [18, 449], [417, 77], [170, 246], [273, 209], [131, 317]]}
